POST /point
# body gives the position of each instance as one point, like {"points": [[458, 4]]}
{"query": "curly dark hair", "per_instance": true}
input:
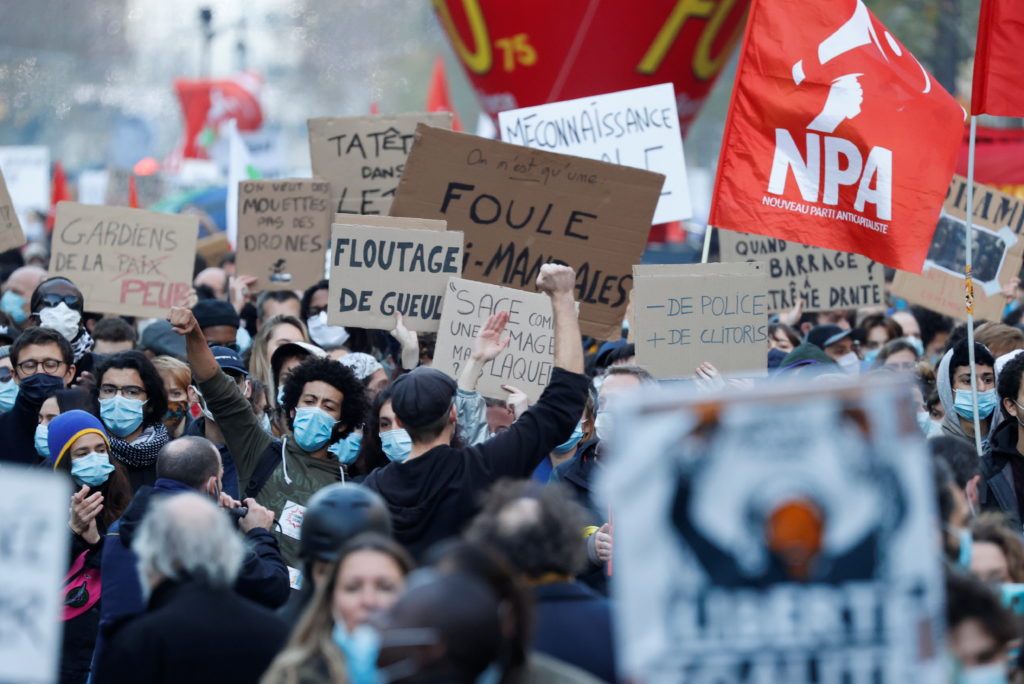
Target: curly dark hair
{"points": [[307, 297], [537, 528], [353, 405], [1008, 382], [156, 394]]}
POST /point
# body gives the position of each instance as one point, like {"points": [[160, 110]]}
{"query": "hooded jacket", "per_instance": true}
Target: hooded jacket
{"points": [[997, 492], [951, 423], [434, 496]]}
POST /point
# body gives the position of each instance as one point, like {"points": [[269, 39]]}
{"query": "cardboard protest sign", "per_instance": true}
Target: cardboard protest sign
{"points": [[638, 128], [377, 270], [527, 361], [825, 279], [785, 533], [11, 235], [701, 312], [283, 230], [130, 262], [998, 251], [521, 208], [363, 156], [33, 562]]}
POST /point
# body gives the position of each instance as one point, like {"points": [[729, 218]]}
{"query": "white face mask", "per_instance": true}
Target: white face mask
{"points": [[61, 318], [202, 405], [850, 363], [326, 336]]}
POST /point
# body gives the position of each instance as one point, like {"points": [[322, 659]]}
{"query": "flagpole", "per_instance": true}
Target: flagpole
{"points": [[969, 283], [707, 245]]}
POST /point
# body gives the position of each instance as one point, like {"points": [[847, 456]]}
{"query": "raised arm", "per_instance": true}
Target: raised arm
{"points": [[200, 358], [486, 347], [559, 282]]}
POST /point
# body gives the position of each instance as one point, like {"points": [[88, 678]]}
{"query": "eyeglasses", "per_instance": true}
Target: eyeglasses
{"points": [[128, 391], [53, 299], [30, 367]]}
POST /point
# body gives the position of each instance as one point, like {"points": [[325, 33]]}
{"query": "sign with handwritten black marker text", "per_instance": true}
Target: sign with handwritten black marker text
{"points": [[130, 262], [378, 270], [521, 208], [527, 361], [688, 314], [363, 156]]}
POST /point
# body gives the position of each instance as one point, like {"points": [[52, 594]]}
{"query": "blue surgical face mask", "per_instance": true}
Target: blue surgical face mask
{"points": [[993, 673], [13, 304], [92, 469], [42, 440], [987, 402], [397, 445], [574, 439], [361, 648], [603, 425], [8, 395], [870, 355], [244, 340], [280, 394], [265, 423], [312, 427], [121, 415], [347, 450]]}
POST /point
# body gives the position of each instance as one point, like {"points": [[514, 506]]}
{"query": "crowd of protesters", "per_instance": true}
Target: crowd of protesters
{"points": [[261, 496]]}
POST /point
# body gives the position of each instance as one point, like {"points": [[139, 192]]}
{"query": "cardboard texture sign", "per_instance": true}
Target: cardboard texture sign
{"points": [[825, 279], [130, 262], [363, 156], [998, 251], [527, 361], [283, 230], [11, 235], [392, 221], [701, 312], [637, 127], [521, 208], [811, 501], [378, 270]]}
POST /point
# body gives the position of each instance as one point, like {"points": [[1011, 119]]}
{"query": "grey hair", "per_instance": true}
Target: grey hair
{"points": [[187, 536]]}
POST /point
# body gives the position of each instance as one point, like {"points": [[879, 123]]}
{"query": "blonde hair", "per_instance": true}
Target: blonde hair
{"points": [[259, 360], [179, 372]]}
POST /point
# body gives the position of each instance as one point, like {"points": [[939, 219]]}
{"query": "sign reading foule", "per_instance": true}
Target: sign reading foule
{"points": [[130, 262], [378, 270], [521, 208], [363, 156]]}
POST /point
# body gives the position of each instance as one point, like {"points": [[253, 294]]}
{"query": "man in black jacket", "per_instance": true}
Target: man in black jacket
{"points": [[186, 465], [435, 491], [196, 628], [1002, 464]]}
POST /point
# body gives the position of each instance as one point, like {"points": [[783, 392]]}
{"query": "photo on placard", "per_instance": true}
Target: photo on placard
{"points": [[948, 251]]}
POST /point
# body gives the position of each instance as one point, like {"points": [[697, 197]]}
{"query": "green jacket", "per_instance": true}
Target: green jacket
{"points": [[297, 477]]}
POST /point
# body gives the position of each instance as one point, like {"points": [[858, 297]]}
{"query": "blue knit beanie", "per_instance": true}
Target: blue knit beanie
{"points": [[67, 427]]}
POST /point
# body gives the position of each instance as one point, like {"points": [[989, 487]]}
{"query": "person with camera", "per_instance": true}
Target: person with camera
{"points": [[190, 464]]}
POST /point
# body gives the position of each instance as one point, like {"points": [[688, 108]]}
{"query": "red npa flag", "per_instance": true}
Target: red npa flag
{"points": [[999, 59], [206, 104], [836, 136]]}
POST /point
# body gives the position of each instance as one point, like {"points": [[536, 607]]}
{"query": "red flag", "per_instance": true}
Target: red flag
{"points": [[206, 104], [58, 193], [133, 193], [836, 136], [999, 59], [374, 108], [437, 94]]}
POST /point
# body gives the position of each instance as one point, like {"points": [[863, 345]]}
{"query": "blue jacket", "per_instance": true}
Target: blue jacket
{"points": [[573, 623]]}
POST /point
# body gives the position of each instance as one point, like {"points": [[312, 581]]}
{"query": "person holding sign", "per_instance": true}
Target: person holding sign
{"points": [[434, 492], [323, 402]]}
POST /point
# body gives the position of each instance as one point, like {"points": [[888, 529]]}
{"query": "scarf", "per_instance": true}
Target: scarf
{"points": [[82, 344], [143, 451]]}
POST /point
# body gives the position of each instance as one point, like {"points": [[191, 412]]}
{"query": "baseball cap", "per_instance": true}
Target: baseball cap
{"points": [[422, 396], [292, 349], [824, 335], [228, 359]]}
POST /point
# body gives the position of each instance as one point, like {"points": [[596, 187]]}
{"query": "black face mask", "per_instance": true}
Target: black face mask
{"points": [[37, 387]]}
